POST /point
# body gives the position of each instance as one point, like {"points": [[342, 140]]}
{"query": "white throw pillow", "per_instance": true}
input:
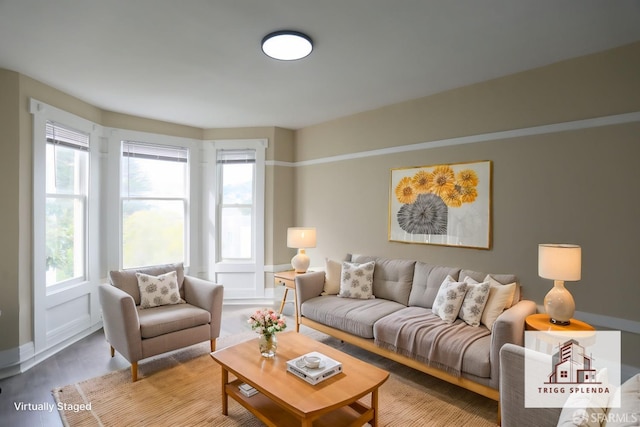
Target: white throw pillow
{"points": [[474, 301], [158, 290], [332, 274], [449, 299], [500, 297], [356, 280]]}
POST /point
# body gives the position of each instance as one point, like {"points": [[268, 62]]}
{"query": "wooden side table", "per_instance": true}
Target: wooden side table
{"points": [[287, 279], [540, 322]]}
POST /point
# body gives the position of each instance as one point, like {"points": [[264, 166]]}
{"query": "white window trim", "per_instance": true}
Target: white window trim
{"points": [[193, 260], [44, 298], [209, 196]]}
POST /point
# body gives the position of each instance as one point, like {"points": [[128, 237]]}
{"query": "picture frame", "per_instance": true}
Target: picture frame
{"points": [[442, 204]]}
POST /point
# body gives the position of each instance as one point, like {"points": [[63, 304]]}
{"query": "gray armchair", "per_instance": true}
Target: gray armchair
{"points": [[138, 333], [512, 399]]}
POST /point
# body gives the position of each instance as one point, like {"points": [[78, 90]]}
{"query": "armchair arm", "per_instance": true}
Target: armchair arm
{"points": [[308, 286], [120, 322], [513, 411], [208, 296], [508, 328]]}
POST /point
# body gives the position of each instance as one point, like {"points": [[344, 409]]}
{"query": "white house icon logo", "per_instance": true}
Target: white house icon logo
{"points": [[571, 365]]}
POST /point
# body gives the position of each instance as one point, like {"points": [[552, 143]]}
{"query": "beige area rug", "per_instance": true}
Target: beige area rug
{"points": [[183, 389]]}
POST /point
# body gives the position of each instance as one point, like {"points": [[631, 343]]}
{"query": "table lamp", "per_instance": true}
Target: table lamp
{"points": [[559, 262], [301, 238]]}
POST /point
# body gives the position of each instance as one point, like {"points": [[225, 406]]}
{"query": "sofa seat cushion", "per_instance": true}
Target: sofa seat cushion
{"points": [[355, 316], [454, 347], [170, 318]]}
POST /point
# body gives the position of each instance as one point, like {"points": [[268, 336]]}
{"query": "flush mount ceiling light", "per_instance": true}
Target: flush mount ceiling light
{"points": [[287, 45]]}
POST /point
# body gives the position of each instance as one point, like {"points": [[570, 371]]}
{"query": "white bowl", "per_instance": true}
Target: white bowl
{"points": [[312, 361]]}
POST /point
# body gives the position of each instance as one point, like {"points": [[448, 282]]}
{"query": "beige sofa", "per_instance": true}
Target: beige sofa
{"points": [[399, 323], [515, 414], [137, 333]]}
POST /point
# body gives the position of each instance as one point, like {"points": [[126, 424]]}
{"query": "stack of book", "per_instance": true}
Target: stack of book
{"points": [[327, 368], [247, 390]]}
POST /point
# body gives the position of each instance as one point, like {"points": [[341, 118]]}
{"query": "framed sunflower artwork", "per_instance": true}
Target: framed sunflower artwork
{"points": [[446, 204]]}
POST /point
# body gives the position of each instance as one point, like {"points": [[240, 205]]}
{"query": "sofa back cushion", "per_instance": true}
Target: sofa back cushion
{"points": [[392, 278], [505, 279], [127, 281], [426, 283]]}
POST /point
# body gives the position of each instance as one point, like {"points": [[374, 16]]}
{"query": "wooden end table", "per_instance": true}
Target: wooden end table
{"points": [[288, 280], [285, 400], [540, 322]]}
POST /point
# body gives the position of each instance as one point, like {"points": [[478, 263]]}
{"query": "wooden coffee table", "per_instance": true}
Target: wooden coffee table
{"points": [[286, 400]]}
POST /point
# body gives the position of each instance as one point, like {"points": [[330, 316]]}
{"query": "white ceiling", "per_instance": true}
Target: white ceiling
{"points": [[199, 62]]}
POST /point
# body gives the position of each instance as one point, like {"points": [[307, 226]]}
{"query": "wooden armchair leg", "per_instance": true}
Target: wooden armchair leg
{"points": [[113, 351], [134, 371], [213, 345]]}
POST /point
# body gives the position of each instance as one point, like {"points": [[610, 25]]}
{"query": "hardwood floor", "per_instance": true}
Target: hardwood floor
{"points": [[88, 358]]}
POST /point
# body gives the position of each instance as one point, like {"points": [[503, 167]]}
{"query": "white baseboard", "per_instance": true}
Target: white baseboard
{"points": [[20, 359]]}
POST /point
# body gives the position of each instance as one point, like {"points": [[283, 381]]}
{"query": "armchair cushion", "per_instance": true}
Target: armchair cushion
{"points": [[128, 282], [170, 318], [158, 290]]}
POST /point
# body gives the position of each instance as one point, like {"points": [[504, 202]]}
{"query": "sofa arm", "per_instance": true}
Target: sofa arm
{"points": [[120, 322], [208, 296], [512, 409], [508, 328], [308, 285]]}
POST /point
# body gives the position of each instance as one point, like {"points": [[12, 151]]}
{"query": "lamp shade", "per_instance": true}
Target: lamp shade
{"points": [[287, 45], [301, 237], [559, 261]]}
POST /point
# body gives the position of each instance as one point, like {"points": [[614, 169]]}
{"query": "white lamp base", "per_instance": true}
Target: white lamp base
{"points": [[300, 262], [559, 304]]}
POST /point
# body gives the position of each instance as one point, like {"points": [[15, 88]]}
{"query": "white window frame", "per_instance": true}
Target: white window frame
{"points": [[81, 195], [192, 261], [220, 205]]}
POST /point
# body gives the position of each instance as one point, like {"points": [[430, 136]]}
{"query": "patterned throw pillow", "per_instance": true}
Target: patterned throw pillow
{"points": [[474, 301], [356, 280], [449, 299], [160, 290]]}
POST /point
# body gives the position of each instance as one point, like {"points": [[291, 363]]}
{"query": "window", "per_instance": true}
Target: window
{"points": [[154, 201], [66, 177], [236, 204]]}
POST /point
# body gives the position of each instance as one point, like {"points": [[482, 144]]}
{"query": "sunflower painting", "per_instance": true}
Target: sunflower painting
{"points": [[442, 205]]}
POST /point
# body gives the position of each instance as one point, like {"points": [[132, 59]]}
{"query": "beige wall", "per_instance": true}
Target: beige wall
{"points": [[568, 187], [9, 209]]}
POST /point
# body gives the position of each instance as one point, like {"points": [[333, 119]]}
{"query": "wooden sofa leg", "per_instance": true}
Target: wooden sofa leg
{"points": [[213, 345], [113, 351], [134, 372]]}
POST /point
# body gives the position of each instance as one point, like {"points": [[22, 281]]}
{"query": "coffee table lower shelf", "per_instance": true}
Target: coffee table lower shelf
{"points": [[270, 413]]}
